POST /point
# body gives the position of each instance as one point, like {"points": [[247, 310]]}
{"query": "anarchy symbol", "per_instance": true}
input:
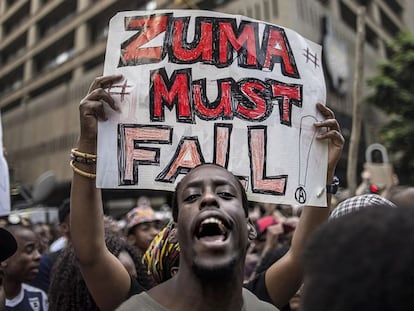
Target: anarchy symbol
{"points": [[300, 195]]}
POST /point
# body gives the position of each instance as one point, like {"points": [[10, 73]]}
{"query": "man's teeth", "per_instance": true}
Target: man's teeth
{"points": [[212, 220]]}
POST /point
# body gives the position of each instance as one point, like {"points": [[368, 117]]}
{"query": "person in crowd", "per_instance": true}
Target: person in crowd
{"points": [[142, 225], [358, 202], [68, 290], [402, 196], [211, 267], [45, 236], [273, 232], [295, 302], [47, 260], [162, 257], [361, 261], [8, 247], [270, 258], [64, 224], [8, 244], [268, 229], [21, 268]]}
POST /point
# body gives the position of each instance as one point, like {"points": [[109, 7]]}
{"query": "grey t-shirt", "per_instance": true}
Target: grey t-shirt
{"points": [[144, 302]]}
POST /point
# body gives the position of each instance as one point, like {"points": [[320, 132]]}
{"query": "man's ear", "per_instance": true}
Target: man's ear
{"points": [[251, 230], [173, 271], [131, 239], [173, 236], [65, 227]]}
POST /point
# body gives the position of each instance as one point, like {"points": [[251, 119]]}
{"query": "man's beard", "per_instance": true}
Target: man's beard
{"points": [[215, 273]]}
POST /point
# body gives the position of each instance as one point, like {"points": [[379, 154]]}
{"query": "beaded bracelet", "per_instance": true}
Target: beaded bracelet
{"points": [[82, 157], [82, 160], [81, 172]]}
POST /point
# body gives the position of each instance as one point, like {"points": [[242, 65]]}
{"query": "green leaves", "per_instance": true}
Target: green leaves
{"points": [[393, 92]]}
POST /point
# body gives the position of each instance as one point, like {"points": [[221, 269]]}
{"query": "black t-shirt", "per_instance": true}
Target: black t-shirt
{"points": [[135, 288], [258, 287]]}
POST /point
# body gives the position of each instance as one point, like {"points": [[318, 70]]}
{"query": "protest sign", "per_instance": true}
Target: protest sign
{"points": [[4, 179], [201, 86]]}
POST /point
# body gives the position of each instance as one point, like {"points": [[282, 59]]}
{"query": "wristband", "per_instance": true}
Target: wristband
{"points": [[333, 188]]}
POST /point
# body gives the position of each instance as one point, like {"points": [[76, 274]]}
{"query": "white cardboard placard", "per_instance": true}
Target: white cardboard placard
{"points": [[201, 86]]}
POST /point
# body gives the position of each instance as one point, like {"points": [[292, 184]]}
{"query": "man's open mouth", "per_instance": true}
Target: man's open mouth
{"points": [[212, 228]]}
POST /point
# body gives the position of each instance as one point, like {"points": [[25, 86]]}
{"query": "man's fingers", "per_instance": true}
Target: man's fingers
{"points": [[331, 124], [104, 82], [333, 129], [325, 111], [98, 87], [101, 96], [335, 136]]}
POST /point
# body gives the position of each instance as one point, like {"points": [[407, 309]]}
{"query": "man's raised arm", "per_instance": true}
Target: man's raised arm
{"points": [[284, 277], [106, 278]]}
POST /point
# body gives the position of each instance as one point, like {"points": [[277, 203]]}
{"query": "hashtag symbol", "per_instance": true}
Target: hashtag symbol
{"points": [[119, 89], [313, 58]]}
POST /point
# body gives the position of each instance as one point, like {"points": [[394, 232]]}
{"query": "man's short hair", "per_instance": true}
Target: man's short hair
{"points": [[64, 210], [361, 261]]}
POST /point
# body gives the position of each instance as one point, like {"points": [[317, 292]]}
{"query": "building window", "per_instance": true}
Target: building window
{"points": [[275, 9], [15, 21], [12, 81], [395, 6], [56, 55], [58, 18], [371, 37], [257, 11], [324, 2], [249, 12], [348, 16], [266, 10], [388, 25]]}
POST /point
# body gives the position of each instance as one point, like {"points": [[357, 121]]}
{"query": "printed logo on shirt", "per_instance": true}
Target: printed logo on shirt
{"points": [[34, 303]]}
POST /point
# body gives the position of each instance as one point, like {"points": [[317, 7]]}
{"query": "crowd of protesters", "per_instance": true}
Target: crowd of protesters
{"points": [[246, 256], [340, 273], [143, 242]]}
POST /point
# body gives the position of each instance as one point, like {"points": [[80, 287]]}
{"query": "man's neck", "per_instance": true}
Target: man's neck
{"points": [[11, 287], [199, 295]]}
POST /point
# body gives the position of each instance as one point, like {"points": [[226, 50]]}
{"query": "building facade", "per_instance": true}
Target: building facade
{"points": [[50, 51]]}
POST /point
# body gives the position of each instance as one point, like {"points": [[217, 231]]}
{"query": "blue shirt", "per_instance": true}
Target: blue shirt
{"points": [[29, 299]]}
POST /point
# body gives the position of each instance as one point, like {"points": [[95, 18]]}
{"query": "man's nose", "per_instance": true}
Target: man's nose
{"points": [[36, 255], [209, 199], [154, 230]]}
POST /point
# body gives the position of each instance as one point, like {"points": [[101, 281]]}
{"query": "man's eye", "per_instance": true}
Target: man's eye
{"points": [[145, 227], [30, 249], [191, 198], [226, 195]]}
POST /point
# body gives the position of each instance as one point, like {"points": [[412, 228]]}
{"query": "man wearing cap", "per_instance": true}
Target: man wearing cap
{"points": [[20, 269], [8, 247], [142, 226], [360, 202], [8, 244]]}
